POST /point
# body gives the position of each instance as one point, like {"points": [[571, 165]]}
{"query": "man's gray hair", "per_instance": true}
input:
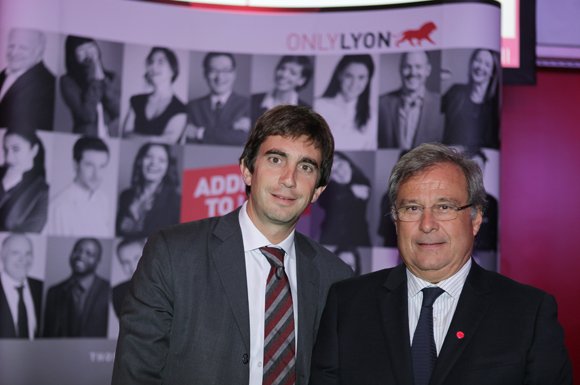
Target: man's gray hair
{"points": [[429, 155]]}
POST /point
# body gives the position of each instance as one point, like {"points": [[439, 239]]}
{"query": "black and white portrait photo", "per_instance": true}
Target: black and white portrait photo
{"points": [[128, 251], [154, 90], [89, 101], [471, 97], [22, 259], [280, 80], [83, 194], [150, 196], [77, 274], [345, 88], [219, 108], [410, 102], [27, 81], [23, 187], [345, 201]]}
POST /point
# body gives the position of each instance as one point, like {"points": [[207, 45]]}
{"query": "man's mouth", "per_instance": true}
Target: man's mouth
{"points": [[284, 198]]}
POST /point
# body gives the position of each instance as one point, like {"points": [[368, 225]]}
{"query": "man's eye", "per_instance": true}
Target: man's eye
{"points": [[444, 207], [275, 160], [412, 208], [306, 167]]}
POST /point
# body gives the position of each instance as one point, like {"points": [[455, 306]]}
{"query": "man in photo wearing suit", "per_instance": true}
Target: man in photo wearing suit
{"points": [[237, 299], [26, 85], [20, 295], [438, 318], [412, 114], [78, 306], [129, 252], [223, 116]]}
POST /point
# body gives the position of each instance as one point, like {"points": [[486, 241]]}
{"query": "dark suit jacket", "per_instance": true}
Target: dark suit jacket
{"points": [[186, 320], [29, 102], [220, 131], [7, 329], [119, 293], [431, 122], [512, 334], [59, 307]]}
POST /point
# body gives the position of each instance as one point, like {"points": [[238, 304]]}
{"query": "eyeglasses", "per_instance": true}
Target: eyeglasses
{"points": [[442, 212], [216, 72]]}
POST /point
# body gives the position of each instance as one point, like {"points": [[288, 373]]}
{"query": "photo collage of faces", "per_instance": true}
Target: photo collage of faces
{"points": [[96, 135]]}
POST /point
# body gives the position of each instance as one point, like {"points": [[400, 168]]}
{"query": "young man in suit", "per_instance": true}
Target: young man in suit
{"points": [[200, 306], [26, 85], [223, 116], [20, 295], [482, 327]]}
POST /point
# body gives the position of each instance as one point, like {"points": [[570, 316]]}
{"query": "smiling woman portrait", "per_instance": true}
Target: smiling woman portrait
{"points": [[152, 201], [471, 110]]}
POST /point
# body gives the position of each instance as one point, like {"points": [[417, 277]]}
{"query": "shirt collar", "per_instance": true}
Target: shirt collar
{"points": [[254, 239], [8, 281], [452, 285], [223, 98]]}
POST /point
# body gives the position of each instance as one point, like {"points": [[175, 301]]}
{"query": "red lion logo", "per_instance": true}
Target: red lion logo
{"points": [[418, 34]]}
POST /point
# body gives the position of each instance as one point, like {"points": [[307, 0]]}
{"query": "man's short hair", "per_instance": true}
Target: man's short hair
{"points": [[293, 122], [429, 155], [211, 55], [404, 57], [94, 240], [88, 143], [129, 241]]}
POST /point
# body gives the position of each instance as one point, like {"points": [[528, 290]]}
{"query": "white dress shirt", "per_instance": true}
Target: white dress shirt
{"points": [[9, 285], [222, 98], [444, 306], [257, 270]]}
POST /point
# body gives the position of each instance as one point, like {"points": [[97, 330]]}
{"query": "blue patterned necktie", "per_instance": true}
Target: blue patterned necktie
{"points": [[423, 349]]}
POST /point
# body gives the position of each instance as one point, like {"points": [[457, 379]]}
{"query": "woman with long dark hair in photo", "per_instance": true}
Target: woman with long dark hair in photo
{"points": [[345, 104], [152, 201], [159, 115], [23, 191], [472, 110], [91, 92]]}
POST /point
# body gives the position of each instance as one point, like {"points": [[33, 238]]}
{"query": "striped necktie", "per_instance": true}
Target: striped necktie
{"points": [[279, 343]]}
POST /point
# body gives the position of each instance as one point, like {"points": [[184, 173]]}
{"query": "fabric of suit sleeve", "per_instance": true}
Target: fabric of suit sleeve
{"points": [[548, 361], [324, 368], [146, 318]]}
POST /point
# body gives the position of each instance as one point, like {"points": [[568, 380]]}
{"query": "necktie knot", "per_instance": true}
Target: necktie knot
{"points": [[20, 290], [274, 255], [430, 294]]}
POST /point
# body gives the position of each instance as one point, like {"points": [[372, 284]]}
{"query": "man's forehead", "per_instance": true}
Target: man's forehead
{"points": [[24, 36], [300, 142]]}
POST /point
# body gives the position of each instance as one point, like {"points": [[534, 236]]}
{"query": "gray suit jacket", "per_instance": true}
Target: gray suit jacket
{"points": [[431, 122], [185, 319]]}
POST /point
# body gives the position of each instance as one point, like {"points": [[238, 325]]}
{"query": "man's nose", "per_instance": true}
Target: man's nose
{"points": [[428, 222]]}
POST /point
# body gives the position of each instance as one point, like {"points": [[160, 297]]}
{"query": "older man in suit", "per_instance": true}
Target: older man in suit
{"points": [[438, 318], [412, 114], [20, 295], [237, 299], [26, 85], [223, 116]]}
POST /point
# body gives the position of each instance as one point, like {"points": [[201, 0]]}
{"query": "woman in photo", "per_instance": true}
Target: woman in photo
{"points": [[90, 92], [472, 110], [345, 104], [291, 75], [160, 114], [345, 203], [152, 201], [23, 191]]}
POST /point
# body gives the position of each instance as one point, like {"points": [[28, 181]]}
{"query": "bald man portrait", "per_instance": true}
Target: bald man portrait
{"points": [[438, 317], [412, 114], [20, 295], [26, 85]]}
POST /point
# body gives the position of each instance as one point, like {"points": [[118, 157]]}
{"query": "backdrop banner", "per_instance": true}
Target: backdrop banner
{"points": [[121, 117]]}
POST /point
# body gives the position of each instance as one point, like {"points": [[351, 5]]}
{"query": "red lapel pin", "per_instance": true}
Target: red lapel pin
{"points": [[460, 335]]}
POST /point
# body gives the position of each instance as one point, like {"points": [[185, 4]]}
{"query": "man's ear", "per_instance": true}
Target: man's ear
{"points": [[317, 192], [477, 222], [246, 174]]}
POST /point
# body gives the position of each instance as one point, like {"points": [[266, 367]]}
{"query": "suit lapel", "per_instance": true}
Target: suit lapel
{"points": [[393, 304], [7, 329], [470, 310], [308, 288], [227, 252]]}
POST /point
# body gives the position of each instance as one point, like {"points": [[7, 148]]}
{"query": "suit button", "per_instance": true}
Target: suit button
{"points": [[245, 359]]}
